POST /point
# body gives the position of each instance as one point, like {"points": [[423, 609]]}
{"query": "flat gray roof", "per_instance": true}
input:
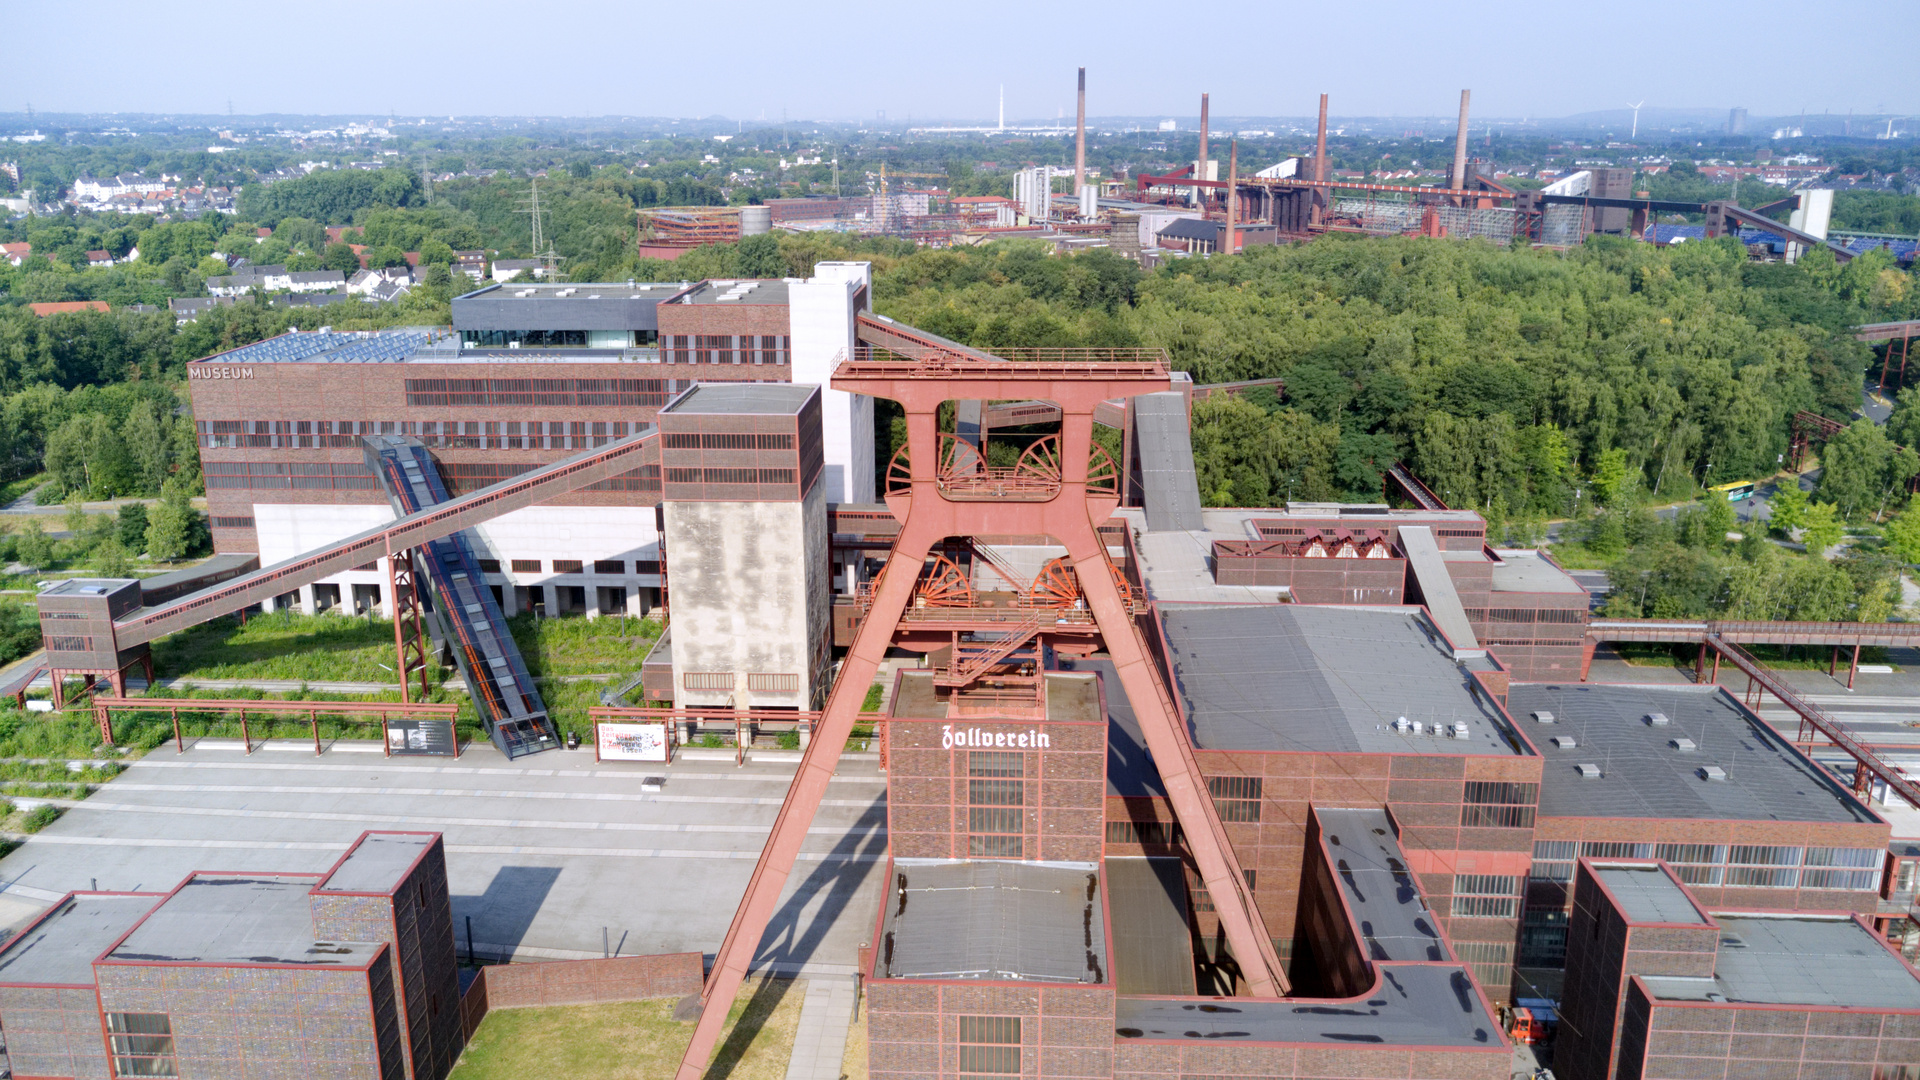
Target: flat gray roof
{"points": [[61, 947], [1529, 571], [1152, 948], [761, 399], [239, 919], [87, 586], [1644, 776], [994, 920], [624, 290], [738, 291], [1177, 564], [1310, 678], [1413, 1005], [1378, 889], [377, 863], [1165, 450], [1647, 895], [1798, 960]]}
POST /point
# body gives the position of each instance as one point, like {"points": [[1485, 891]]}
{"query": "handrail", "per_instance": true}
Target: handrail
{"points": [[1818, 719]]}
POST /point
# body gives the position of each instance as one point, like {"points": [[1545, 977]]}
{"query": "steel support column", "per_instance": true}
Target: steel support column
{"points": [[409, 642]]}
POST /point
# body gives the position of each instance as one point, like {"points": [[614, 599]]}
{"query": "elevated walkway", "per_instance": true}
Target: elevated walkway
{"points": [[503, 692], [1165, 451], [1436, 586]]}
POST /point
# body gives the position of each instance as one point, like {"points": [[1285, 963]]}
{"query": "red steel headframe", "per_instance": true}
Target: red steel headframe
{"points": [[1072, 516]]}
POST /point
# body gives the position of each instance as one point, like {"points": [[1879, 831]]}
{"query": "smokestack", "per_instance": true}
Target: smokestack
{"points": [[1320, 144], [1460, 147], [1200, 169], [1233, 194], [1080, 140]]}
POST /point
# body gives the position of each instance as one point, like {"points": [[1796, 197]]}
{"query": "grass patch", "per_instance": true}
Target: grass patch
{"points": [[637, 1040], [282, 645], [41, 817], [853, 1064], [1785, 658], [1573, 555], [608, 645]]}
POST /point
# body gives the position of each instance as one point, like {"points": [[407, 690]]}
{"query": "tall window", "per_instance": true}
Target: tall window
{"points": [[142, 1044], [989, 1046], [996, 798], [1491, 804], [1237, 798], [1485, 896]]}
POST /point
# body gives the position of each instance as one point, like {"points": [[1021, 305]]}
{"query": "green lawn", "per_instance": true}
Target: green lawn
{"points": [[637, 1040]]}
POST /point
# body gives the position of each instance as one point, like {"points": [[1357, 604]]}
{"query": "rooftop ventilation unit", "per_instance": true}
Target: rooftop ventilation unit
{"points": [[1588, 771], [1564, 742], [1683, 745], [1712, 772], [1402, 725], [1658, 719], [1542, 716], [1460, 729]]}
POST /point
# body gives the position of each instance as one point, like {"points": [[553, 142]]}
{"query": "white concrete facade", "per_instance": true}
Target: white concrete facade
{"points": [[585, 534], [821, 310], [750, 598]]}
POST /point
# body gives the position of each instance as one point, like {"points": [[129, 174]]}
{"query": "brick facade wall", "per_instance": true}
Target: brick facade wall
{"points": [[913, 1028], [240, 1023], [588, 982], [928, 792], [1681, 1042], [54, 1031], [1139, 1060]]}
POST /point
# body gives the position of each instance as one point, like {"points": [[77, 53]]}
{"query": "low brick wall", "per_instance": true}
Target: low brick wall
{"points": [[580, 982]]}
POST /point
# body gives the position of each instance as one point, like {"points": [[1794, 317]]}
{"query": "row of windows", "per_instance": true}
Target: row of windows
{"points": [[726, 348], [1203, 898], [444, 434], [550, 393], [730, 476], [724, 680], [1236, 798], [1145, 833], [989, 1045], [708, 440], [1571, 616], [142, 1044], [68, 643], [1486, 896], [1737, 865]]}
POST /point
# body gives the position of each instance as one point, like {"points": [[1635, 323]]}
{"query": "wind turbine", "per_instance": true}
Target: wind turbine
{"points": [[1635, 106]]}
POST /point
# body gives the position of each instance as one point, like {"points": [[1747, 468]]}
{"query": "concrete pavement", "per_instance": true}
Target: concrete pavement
{"points": [[542, 853]]}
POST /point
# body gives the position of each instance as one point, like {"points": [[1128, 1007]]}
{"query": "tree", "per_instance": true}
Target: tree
{"points": [[1718, 518], [34, 548], [1858, 466], [170, 525], [1823, 528], [1787, 506], [1609, 478], [130, 528], [340, 257], [1902, 536], [147, 448], [112, 560], [435, 252], [67, 452]]}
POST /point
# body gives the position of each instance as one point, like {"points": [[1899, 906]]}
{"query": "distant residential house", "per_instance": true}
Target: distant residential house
{"points": [[232, 285], [472, 263], [337, 234], [187, 309], [15, 254], [365, 282], [309, 299], [316, 281], [273, 278], [387, 291], [511, 269], [96, 259], [68, 306], [261, 233]]}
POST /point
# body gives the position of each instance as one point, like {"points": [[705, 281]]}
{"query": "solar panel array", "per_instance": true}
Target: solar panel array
{"points": [[336, 347]]}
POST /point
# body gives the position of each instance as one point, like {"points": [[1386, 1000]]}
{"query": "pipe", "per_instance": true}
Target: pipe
{"points": [[1460, 147], [1233, 195], [1080, 141], [1200, 169]]}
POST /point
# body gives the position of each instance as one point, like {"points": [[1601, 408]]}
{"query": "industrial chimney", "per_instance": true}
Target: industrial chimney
{"points": [[1460, 147], [1200, 167], [1080, 143]]}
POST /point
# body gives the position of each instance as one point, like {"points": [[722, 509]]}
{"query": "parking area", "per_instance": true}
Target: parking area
{"points": [[550, 855]]}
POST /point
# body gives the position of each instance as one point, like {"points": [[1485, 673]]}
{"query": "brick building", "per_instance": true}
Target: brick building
{"points": [[350, 973], [1664, 986], [527, 375]]}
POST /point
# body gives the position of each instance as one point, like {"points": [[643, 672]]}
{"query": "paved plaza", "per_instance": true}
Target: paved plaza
{"points": [[550, 856]]}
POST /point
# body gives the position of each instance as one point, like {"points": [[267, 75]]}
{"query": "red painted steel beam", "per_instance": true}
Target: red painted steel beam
{"points": [[1072, 517], [1817, 719], [1295, 183]]}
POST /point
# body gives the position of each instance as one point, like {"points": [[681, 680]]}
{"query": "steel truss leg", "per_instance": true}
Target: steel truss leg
{"points": [[409, 631], [1165, 735]]}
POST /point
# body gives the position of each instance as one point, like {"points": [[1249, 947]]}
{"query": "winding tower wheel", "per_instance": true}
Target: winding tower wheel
{"points": [[943, 584], [1055, 586]]}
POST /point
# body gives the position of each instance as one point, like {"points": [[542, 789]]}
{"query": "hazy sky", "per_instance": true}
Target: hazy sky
{"points": [[746, 59]]}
